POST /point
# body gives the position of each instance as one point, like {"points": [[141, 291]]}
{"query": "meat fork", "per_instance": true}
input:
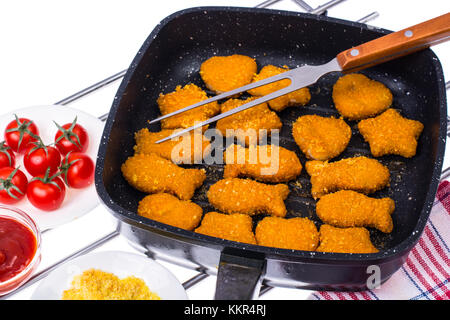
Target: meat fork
{"points": [[368, 54]]}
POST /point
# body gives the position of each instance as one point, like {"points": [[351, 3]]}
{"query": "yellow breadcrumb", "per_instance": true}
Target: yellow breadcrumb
{"points": [[298, 97], [390, 133], [358, 97], [267, 163], [360, 174], [321, 138], [168, 209], [184, 97], [345, 240], [150, 173], [246, 196], [293, 233], [234, 227], [225, 73], [348, 208], [249, 125], [94, 284], [180, 151]]}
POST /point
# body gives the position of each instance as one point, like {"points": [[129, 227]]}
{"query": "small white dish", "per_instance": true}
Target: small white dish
{"points": [[123, 264], [78, 201]]}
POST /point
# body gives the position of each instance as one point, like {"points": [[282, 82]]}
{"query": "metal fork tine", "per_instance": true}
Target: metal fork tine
{"points": [[245, 106], [281, 76]]}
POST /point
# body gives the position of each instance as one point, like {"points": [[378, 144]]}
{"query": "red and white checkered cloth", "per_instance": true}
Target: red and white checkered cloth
{"points": [[426, 273]]}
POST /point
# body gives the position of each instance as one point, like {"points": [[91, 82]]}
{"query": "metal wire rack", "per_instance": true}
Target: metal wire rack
{"points": [[321, 9]]}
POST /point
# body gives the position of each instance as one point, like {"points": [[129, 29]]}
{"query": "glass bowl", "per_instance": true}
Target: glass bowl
{"points": [[24, 219]]}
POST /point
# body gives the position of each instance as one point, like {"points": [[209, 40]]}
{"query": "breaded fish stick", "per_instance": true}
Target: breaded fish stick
{"points": [[179, 151], [183, 97], [234, 227], [293, 233], [168, 209], [321, 138], [152, 174], [295, 98], [390, 133], [225, 73], [246, 196], [348, 208], [359, 174], [250, 125], [358, 97], [268, 163], [346, 240]]}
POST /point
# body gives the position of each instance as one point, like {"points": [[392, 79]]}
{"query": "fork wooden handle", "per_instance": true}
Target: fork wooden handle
{"points": [[396, 44]]}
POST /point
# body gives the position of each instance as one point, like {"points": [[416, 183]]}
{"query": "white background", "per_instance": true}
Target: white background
{"points": [[52, 49]]}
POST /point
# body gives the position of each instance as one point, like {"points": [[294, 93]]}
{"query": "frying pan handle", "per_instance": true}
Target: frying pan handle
{"points": [[396, 44], [238, 277]]}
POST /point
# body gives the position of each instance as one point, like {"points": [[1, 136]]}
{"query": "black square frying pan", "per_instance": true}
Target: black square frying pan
{"points": [[172, 55]]}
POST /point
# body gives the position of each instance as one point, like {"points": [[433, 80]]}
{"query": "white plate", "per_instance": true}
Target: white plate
{"points": [[123, 264], [78, 201]]}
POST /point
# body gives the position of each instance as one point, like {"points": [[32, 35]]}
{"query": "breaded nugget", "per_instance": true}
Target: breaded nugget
{"points": [[183, 97], [294, 233], [234, 227], [359, 174], [249, 125], [168, 209], [298, 97], [358, 97], [225, 73], [390, 133], [268, 163], [246, 196], [348, 208], [345, 240], [177, 150], [152, 174], [321, 138]]}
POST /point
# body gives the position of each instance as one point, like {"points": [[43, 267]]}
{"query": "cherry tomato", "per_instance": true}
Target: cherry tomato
{"points": [[19, 133], [7, 156], [39, 157], [77, 170], [45, 192], [71, 137], [13, 185]]}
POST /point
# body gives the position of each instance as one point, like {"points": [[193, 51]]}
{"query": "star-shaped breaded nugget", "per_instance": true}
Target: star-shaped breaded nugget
{"points": [[390, 133]]}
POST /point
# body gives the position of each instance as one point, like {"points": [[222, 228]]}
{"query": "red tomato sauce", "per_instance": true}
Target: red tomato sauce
{"points": [[17, 248]]}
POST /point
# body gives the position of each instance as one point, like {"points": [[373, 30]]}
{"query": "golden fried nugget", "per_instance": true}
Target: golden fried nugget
{"points": [[321, 138], [180, 151], [268, 163], [234, 227], [225, 73], [298, 97], [358, 97], [95, 284], [183, 97], [246, 196], [249, 126], [152, 174], [390, 133], [168, 209], [348, 208], [359, 174], [345, 240], [294, 233]]}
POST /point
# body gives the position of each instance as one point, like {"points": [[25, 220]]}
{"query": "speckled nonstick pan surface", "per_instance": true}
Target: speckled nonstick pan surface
{"points": [[172, 55]]}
